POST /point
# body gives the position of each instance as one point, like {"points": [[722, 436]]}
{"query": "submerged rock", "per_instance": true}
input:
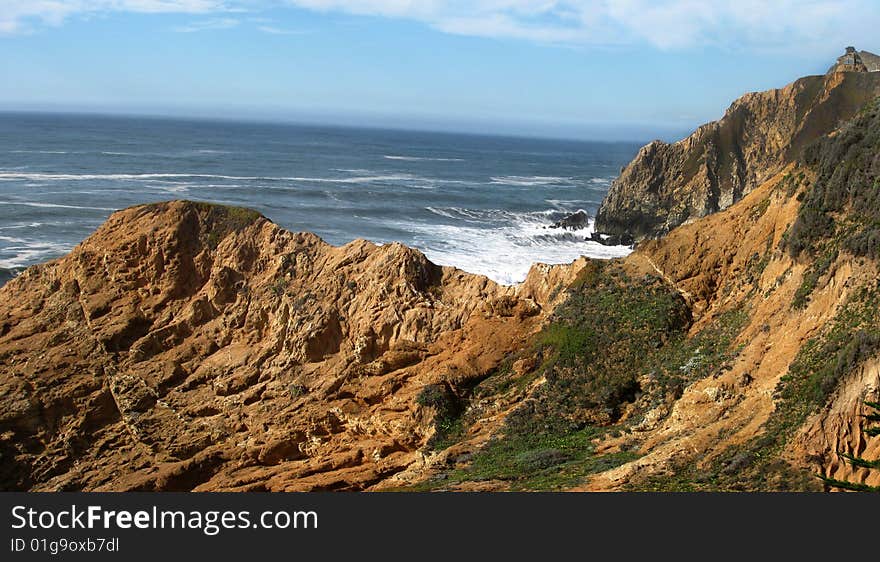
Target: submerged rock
{"points": [[574, 221], [613, 239]]}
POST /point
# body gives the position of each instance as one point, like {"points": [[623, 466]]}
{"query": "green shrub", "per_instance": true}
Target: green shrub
{"points": [[845, 198], [609, 334], [448, 409], [594, 349]]}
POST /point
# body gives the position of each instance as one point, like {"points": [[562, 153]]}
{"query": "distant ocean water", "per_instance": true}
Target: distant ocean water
{"points": [[480, 203]]}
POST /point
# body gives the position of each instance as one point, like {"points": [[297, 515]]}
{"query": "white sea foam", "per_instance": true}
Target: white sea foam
{"points": [[505, 248], [529, 181], [30, 252], [566, 205], [54, 205], [448, 213], [45, 176], [421, 158], [21, 225], [602, 181]]}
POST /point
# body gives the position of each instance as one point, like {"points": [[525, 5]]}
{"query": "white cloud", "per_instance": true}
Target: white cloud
{"points": [[665, 24], [793, 25], [208, 25], [272, 30], [20, 16]]}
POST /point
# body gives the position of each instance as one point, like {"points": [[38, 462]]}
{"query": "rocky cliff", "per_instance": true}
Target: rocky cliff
{"points": [[187, 346], [669, 184], [190, 346]]}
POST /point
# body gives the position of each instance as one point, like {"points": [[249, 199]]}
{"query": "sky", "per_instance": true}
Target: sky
{"points": [[600, 69]]}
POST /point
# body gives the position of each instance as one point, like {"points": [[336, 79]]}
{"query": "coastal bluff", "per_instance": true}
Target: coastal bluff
{"points": [[669, 184], [189, 346]]}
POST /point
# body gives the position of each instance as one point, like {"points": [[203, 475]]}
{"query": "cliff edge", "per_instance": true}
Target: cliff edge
{"points": [[187, 346], [667, 185]]}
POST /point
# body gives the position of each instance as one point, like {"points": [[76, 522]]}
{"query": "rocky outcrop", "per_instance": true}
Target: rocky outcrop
{"points": [[733, 259], [186, 346], [669, 184], [574, 221]]}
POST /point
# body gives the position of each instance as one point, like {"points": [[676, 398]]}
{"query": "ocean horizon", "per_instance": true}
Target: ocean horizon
{"points": [[482, 203]]}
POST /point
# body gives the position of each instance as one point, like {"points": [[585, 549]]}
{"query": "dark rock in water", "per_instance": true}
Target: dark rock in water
{"points": [[574, 221], [581, 220], [623, 239]]}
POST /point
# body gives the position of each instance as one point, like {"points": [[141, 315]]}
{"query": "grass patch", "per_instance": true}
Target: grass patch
{"points": [[615, 348], [594, 349], [538, 462], [223, 220], [759, 209]]}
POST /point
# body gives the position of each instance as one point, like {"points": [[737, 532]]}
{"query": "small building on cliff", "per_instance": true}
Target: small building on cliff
{"points": [[856, 61], [851, 61]]}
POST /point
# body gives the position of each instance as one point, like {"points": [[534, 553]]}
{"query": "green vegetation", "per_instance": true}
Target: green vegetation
{"points": [[217, 220], [615, 348], [793, 182], [594, 349], [843, 204], [448, 410], [296, 390], [279, 287], [224, 219], [759, 209], [757, 263], [541, 462], [615, 345]]}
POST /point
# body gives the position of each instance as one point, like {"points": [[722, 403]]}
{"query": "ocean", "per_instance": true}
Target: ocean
{"points": [[480, 203]]}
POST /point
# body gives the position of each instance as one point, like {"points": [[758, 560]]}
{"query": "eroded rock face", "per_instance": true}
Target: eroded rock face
{"points": [[667, 185], [185, 346], [840, 428]]}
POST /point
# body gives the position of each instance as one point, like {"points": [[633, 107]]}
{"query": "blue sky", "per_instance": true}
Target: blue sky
{"points": [[627, 69]]}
